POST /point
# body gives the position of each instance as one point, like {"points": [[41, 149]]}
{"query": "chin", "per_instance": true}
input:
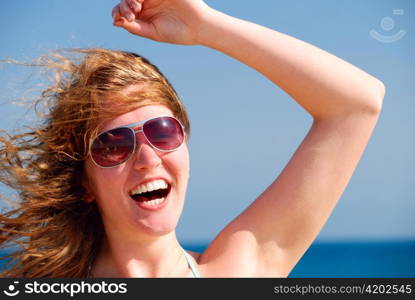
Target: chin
{"points": [[158, 227]]}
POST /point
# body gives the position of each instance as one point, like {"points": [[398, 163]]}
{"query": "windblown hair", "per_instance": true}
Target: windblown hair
{"points": [[56, 232]]}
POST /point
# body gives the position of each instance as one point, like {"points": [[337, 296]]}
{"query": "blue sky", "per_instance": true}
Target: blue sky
{"points": [[244, 129]]}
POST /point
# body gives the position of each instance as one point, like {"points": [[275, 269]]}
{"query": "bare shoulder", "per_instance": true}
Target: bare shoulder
{"points": [[233, 254], [223, 263]]}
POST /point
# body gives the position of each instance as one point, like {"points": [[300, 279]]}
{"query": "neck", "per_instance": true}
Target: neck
{"points": [[160, 256]]}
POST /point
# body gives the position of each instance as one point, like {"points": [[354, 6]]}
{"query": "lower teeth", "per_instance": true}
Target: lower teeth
{"points": [[154, 202]]}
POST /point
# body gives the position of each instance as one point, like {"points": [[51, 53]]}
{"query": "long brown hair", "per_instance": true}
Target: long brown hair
{"points": [[56, 232]]}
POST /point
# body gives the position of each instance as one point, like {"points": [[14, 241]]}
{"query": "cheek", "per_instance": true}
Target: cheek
{"points": [[102, 182], [183, 165], [177, 164], [183, 161]]}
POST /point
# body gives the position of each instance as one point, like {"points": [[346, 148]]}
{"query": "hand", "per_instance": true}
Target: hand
{"points": [[170, 21]]}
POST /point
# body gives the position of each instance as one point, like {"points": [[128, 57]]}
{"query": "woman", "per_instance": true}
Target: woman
{"points": [[113, 160]]}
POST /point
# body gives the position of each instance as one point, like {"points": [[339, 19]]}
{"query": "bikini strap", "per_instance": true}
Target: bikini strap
{"points": [[191, 264]]}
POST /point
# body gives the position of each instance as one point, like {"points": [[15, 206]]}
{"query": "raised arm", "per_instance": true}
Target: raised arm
{"points": [[345, 102]]}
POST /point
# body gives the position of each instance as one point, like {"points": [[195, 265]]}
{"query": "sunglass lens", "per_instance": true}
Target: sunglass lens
{"points": [[164, 133], [113, 147]]}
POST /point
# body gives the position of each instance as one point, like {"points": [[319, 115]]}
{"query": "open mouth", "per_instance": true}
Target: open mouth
{"points": [[152, 193]]}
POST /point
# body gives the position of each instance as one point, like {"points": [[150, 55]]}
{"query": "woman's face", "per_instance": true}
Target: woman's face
{"points": [[115, 188]]}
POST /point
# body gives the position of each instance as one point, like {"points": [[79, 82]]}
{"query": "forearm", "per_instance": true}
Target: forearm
{"points": [[321, 83]]}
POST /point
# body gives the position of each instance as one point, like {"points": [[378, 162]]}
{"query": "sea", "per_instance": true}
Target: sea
{"points": [[349, 259]]}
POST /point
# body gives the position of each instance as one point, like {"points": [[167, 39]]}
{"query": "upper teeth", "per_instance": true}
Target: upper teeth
{"points": [[150, 186]]}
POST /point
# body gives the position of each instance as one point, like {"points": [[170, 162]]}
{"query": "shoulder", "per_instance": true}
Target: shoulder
{"points": [[237, 259]]}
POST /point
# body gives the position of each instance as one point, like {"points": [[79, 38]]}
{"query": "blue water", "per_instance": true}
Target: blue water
{"points": [[351, 259], [393, 259]]}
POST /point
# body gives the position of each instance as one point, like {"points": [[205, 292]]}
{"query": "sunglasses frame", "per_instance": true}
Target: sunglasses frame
{"points": [[131, 128]]}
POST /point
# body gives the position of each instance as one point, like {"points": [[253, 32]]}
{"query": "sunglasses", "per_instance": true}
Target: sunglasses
{"points": [[115, 146]]}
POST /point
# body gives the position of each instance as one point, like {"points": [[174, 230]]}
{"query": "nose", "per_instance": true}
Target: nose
{"points": [[145, 157]]}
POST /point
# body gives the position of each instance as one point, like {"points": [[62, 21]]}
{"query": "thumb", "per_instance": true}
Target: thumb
{"points": [[137, 27]]}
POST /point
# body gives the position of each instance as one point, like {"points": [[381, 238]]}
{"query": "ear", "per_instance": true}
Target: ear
{"points": [[89, 195]]}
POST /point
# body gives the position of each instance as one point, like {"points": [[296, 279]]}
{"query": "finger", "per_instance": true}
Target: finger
{"points": [[135, 6], [138, 27], [126, 11], [116, 15]]}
